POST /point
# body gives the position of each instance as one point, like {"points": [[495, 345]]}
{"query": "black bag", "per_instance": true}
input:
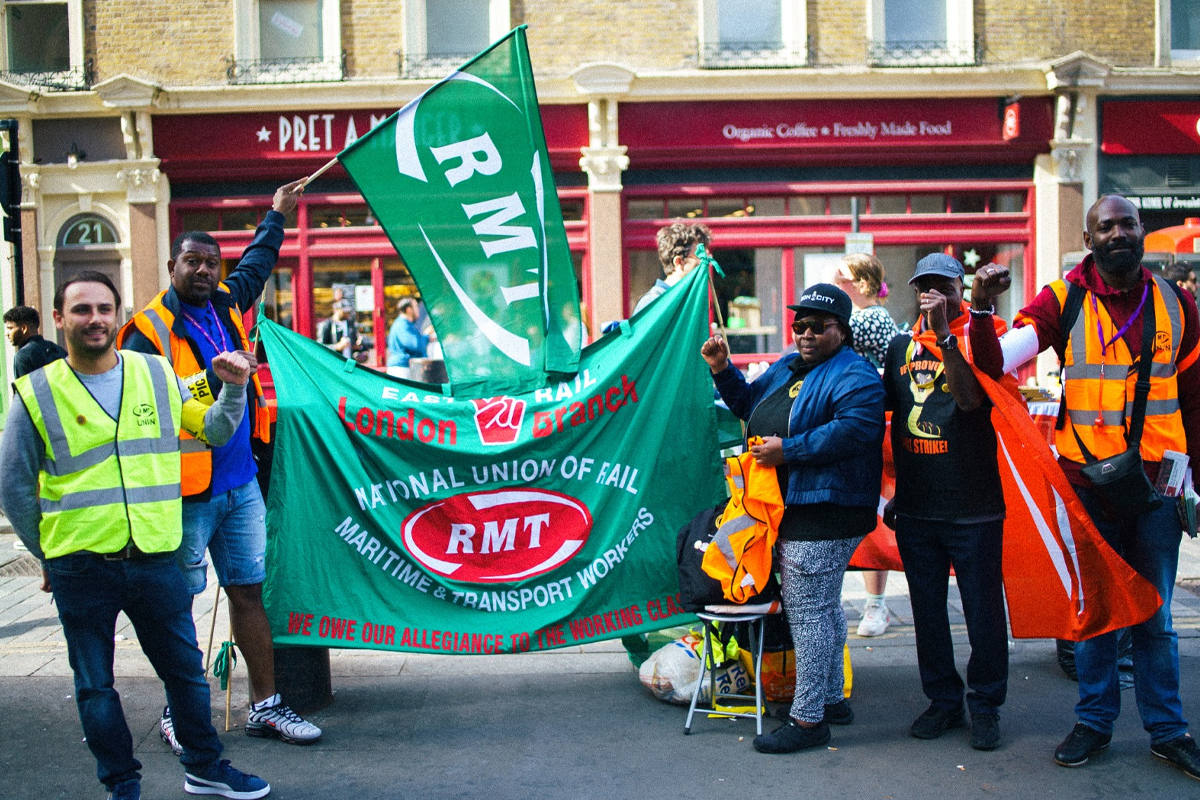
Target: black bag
{"points": [[1120, 479], [697, 588]]}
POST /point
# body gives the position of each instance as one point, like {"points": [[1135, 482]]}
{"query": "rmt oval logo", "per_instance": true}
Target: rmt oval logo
{"points": [[497, 537]]}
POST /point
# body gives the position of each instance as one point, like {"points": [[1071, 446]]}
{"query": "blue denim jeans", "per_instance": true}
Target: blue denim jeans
{"points": [[928, 549], [1150, 544], [232, 527], [89, 592]]}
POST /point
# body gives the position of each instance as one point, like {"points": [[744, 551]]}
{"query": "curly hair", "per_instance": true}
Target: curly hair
{"points": [[865, 268], [678, 239]]}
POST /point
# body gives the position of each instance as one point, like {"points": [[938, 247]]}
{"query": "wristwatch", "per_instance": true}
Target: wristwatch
{"points": [[949, 343]]}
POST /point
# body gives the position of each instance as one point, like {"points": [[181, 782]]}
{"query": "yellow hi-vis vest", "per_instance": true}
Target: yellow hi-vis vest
{"points": [[1100, 386], [157, 323], [104, 480], [739, 555]]}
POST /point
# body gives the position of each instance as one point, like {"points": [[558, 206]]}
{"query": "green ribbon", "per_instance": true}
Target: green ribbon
{"points": [[708, 261], [224, 664]]}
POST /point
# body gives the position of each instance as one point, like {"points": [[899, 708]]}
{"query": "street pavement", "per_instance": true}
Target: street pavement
{"points": [[573, 723]]}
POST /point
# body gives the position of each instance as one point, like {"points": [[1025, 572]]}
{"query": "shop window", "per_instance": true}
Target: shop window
{"points": [[287, 41], [928, 204], [439, 35], [43, 44], [967, 204], [888, 204], [1185, 30], [807, 206], [645, 209], [750, 298], [685, 209], [766, 207], [900, 262], [726, 207], [841, 205], [199, 221], [1009, 203], [905, 33], [743, 34], [572, 209], [333, 217]]}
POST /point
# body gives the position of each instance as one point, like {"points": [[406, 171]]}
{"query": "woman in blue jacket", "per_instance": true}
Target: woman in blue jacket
{"points": [[819, 412]]}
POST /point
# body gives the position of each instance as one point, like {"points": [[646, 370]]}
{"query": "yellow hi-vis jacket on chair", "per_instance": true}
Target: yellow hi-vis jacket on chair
{"points": [[739, 555], [105, 481]]}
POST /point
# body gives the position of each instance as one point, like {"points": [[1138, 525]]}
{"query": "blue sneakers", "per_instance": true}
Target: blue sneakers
{"points": [[129, 790], [222, 780]]}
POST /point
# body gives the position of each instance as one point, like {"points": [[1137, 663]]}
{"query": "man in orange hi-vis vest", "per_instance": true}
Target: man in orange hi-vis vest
{"points": [[1101, 353], [197, 317]]}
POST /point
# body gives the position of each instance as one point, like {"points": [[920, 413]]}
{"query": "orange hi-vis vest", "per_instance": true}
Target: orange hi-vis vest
{"points": [[1099, 383], [157, 323], [739, 555]]}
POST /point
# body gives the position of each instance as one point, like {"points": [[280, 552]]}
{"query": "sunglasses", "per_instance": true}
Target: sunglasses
{"points": [[814, 326]]}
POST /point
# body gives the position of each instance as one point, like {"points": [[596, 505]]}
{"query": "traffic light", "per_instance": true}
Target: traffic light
{"points": [[10, 184]]}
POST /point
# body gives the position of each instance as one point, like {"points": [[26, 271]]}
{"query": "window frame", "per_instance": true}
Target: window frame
{"points": [[75, 37], [247, 39], [1178, 55], [960, 38], [415, 53], [793, 30]]}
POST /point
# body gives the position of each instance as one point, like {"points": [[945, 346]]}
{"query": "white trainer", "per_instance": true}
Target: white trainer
{"points": [[279, 721], [875, 619]]}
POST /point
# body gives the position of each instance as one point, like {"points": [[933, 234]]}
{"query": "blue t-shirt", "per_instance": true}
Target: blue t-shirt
{"points": [[232, 463]]}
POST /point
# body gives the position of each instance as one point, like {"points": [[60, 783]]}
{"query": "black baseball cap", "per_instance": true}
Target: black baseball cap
{"points": [[938, 264], [825, 298]]}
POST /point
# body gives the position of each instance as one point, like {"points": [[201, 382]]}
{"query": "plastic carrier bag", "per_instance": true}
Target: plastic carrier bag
{"points": [[672, 672]]}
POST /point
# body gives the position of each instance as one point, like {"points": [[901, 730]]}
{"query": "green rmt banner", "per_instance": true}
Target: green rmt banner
{"points": [[402, 518], [460, 180]]}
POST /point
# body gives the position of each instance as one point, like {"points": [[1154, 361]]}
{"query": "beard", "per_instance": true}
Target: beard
{"points": [[78, 341], [1122, 262]]}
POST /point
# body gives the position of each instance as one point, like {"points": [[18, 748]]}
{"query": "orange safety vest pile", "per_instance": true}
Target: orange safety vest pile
{"points": [[157, 323], [739, 555]]}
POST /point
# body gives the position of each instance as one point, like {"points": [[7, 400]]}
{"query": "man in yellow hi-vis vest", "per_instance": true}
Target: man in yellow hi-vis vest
{"points": [[91, 485]]}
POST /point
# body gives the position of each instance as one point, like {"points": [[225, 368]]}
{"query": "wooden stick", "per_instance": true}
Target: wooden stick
{"points": [[319, 172], [211, 629], [228, 693]]}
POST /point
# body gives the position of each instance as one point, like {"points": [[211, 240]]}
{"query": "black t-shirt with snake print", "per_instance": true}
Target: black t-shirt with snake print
{"points": [[945, 457]]}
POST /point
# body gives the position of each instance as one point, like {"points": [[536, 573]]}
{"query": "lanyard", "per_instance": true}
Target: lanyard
{"points": [[203, 328], [1124, 328]]}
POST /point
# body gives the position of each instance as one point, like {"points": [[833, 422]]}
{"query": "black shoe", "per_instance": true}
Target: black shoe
{"points": [[839, 713], [985, 731], [790, 737], [1182, 752], [1080, 745], [936, 721]]}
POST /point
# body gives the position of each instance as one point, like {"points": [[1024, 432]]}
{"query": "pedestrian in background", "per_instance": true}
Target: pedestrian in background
{"points": [[21, 324], [861, 277]]}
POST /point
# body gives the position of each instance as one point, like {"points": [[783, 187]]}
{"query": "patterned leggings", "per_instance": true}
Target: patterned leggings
{"points": [[812, 598]]}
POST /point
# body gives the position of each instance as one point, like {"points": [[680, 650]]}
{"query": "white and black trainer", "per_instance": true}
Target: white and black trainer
{"points": [[272, 719], [166, 732]]}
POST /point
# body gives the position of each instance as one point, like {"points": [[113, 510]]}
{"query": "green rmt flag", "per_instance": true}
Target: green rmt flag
{"points": [[460, 180]]}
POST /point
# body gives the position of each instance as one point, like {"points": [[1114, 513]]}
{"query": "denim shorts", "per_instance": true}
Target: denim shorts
{"points": [[232, 527]]}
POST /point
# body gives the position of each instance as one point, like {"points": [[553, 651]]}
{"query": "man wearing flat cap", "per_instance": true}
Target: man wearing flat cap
{"points": [[949, 506]]}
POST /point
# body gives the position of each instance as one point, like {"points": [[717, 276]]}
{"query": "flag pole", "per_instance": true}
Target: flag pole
{"points": [[319, 172]]}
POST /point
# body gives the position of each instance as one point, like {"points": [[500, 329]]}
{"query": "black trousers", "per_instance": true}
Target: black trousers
{"points": [[929, 549]]}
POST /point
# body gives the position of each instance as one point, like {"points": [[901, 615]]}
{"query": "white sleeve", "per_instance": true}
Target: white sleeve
{"points": [[1019, 346]]}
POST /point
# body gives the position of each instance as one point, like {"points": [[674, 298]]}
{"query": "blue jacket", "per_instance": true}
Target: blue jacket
{"points": [[834, 452]]}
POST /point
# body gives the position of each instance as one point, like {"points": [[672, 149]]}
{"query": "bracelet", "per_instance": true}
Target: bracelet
{"points": [[987, 312]]}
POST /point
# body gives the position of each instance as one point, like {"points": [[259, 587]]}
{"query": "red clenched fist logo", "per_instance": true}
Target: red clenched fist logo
{"points": [[497, 537], [498, 419]]}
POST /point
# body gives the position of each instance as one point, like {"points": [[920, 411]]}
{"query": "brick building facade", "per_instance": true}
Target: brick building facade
{"points": [[769, 119]]}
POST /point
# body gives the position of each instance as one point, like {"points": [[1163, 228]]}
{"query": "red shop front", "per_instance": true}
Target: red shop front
{"points": [[223, 169], [781, 184]]}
